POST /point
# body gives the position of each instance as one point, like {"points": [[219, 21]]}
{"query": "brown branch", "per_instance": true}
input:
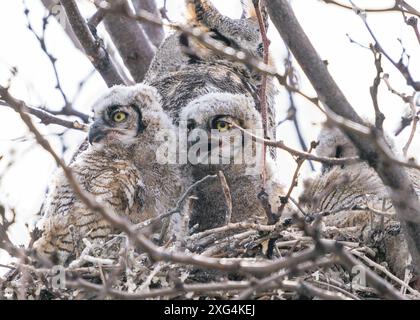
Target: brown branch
{"points": [[379, 116], [301, 154], [68, 107], [399, 65], [55, 9], [228, 197], [294, 182], [95, 52], [413, 127], [413, 22], [404, 198], [399, 6], [45, 117], [263, 85]]}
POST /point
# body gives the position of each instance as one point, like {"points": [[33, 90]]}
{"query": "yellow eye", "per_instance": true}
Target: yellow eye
{"points": [[119, 116], [222, 126]]}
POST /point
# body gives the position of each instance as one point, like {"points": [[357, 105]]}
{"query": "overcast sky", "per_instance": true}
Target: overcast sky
{"points": [[23, 185]]}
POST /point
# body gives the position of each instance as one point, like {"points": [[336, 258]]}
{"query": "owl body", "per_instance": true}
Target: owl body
{"points": [[347, 193], [119, 169]]}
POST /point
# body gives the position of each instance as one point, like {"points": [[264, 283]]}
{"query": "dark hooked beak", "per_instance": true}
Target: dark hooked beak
{"points": [[96, 133]]}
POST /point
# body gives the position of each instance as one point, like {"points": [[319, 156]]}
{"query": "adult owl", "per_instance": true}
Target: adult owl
{"points": [[215, 143], [119, 168]]}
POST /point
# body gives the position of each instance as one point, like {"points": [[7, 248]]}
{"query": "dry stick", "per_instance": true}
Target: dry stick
{"points": [[413, 127], [231, 227], [404, 97], [294, 183], [399, 5], [337, 288], [206, 288], [386, 272], [379, 116], [68, 109], [292, 111], [402, 193], [45, 117], [178, 207], [164, 292], [228, 197], [263, 88], [55, 9], [403, 69], [405, 121], [301, 154], [349, 262], [413, 22], [95, 52], [278, 277]]}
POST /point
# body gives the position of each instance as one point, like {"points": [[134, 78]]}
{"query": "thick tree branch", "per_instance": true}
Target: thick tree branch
{"points": [[55, 9], [403, 196], [154, 32], [131, 41], [95, 52]]}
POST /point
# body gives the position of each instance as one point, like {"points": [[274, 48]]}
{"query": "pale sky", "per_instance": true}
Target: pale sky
{"points": [[23, 185]]}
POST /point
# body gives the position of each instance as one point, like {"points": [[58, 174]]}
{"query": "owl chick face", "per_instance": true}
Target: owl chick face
{"points": [[212, 123], [117, 123], [333, 143], [123, 114]]}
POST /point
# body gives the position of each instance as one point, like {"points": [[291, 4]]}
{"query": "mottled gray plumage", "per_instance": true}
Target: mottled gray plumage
{"points": [[181, 77], [119, 168], [202, 115], [347, 193]]}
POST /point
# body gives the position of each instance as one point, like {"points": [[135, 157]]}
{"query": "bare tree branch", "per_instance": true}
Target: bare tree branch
{"points": [[95, 52], [54, 8], [45, 117], [399, 5]]}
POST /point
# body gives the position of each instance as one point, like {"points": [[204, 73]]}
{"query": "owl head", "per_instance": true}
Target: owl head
{"points": [[333, 143], [211, 121], [243, 34], [125, 114]]}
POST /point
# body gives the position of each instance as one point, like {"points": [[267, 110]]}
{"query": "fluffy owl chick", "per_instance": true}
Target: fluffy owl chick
{"points": [[119, 168], [215, 143], [347, 194]]}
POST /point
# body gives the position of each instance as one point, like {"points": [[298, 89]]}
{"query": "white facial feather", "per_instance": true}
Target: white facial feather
{"points": [[212, 104]]}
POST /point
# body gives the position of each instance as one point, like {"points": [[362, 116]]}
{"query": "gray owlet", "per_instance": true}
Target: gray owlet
{"points": [[215, 143], [119, 168], [350, 194]]}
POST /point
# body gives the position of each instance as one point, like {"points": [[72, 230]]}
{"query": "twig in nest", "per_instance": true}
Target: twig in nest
{"points": [[228, 197]]}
